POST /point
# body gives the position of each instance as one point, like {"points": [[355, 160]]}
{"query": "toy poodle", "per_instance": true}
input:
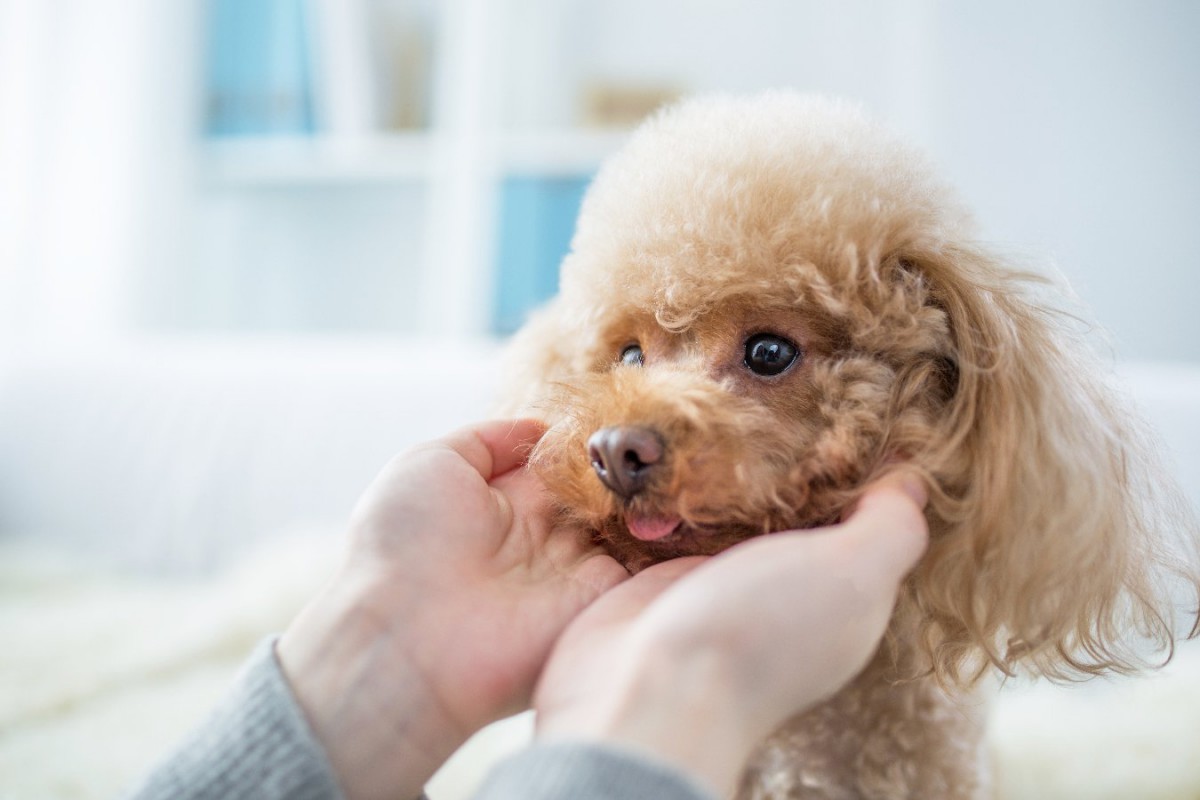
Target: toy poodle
{"points": [[770, 302]]}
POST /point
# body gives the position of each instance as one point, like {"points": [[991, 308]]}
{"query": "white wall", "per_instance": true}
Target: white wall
{"points": [[1074, 129]]}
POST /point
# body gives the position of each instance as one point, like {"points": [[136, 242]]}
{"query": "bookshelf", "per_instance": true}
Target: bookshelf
{"points": [[482, 222]]}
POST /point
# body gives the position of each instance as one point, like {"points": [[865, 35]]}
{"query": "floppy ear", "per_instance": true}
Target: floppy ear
{"points": [[1052, 523]]}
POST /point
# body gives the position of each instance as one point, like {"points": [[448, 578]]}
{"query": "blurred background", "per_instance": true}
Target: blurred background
{"points": [[413, 167], [249, 249]]}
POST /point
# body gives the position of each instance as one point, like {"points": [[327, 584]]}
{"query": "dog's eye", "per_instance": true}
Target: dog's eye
{"points": [[632, 356], [767, 354]]}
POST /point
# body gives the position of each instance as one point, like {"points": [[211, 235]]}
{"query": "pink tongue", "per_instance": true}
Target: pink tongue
{"points": [[650, 528]]}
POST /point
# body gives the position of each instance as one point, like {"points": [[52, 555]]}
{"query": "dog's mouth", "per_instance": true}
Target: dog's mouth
{"points": [[638, 538], [652, 528]]}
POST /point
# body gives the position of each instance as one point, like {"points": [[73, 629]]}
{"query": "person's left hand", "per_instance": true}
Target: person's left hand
{"points": [[693, 661], [455, 588]]}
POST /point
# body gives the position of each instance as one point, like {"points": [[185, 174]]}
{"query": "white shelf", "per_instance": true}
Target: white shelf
{"points": [[285, 161], [558, 152], [393, 158]]}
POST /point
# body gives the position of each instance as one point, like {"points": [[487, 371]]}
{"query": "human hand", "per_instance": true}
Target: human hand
{"points": [[696, 660], [454, 589]]}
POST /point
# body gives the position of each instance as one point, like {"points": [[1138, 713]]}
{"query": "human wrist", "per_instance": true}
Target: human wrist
{"points": [[352, 672], [676, 708]]}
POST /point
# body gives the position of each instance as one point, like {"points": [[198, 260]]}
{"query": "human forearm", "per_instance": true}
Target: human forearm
{"points": [[367, 701]]}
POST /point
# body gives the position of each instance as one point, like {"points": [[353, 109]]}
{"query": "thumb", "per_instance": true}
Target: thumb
{"points": [[889, 520], [497, 446]]}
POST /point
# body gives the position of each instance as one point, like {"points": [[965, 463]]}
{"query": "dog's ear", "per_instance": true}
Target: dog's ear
{"points": [[1052, 524]]}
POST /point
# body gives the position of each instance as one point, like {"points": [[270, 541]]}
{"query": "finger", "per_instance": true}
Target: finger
{"points": [[890, 520], [631, 597], [898, 477], [495, 447]]}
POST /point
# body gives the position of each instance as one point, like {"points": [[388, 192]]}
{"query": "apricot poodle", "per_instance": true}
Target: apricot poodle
{"points": [[770, 300]]}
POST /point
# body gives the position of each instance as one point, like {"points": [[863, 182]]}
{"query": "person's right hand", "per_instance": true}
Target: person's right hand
{"points": [[695, 660]]}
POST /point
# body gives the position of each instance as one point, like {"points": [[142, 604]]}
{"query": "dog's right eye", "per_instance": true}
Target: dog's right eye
{"points": [[632, 356], [769, 355]]}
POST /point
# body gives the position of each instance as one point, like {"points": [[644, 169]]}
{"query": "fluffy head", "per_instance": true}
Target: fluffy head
{"points": [[797, 217]]}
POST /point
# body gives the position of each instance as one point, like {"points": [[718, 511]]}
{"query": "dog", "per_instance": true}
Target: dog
{"points": [[771, 301]]}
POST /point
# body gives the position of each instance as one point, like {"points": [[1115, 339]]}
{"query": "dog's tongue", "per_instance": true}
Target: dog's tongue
{"points": [[648, 529]]}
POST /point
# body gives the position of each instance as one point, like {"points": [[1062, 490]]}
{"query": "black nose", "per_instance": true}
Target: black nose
{"points": [[624, 457]]}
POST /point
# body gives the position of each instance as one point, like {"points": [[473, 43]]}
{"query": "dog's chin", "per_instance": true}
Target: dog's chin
{"points": [[640, 540]]}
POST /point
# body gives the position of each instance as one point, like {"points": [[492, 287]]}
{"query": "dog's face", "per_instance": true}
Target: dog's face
{"points": [[728, 376], [768, 302], [757, 416]]}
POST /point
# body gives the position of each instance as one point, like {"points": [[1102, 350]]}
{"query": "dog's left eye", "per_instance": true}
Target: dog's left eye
{"points": [[767, 354], [632, 356]]}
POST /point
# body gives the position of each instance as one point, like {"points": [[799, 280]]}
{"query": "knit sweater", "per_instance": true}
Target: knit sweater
{"points": [[257, 744]]}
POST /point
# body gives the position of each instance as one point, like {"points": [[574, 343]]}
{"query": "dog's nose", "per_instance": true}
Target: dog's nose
{"points": [[624, 457]]}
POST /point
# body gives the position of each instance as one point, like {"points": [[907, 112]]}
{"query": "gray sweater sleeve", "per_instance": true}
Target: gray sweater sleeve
{"points": [[586, 772], [257, 744]]}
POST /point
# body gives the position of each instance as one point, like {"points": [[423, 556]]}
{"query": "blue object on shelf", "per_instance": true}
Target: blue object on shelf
{"points": [[537, 221], [259, 71]]}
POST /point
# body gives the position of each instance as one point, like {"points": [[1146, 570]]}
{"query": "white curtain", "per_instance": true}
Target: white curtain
{"points": [[94, 111]]}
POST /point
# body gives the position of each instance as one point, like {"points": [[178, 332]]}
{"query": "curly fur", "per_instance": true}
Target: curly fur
{"points": [[1053, 532]]}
